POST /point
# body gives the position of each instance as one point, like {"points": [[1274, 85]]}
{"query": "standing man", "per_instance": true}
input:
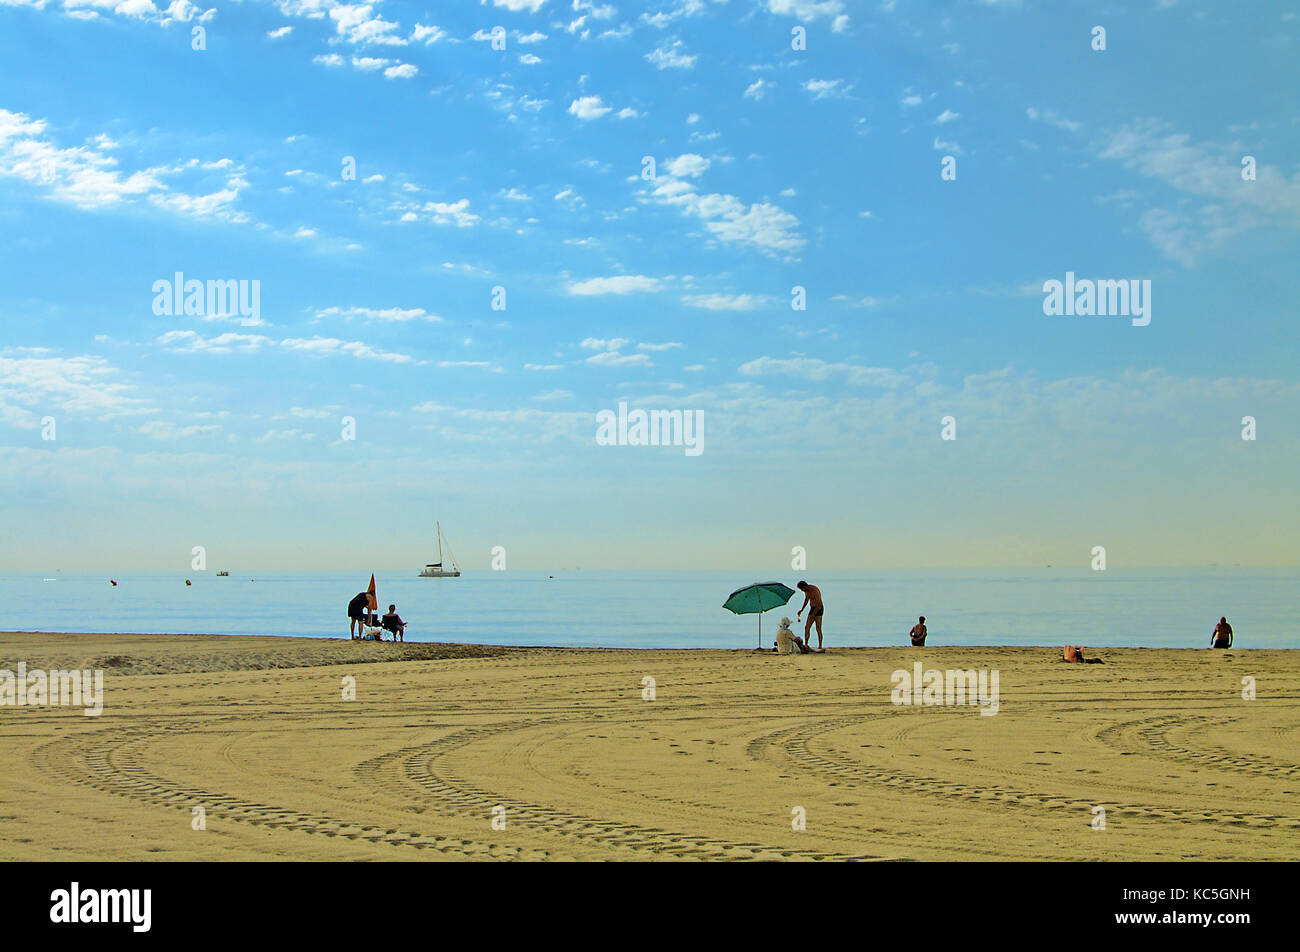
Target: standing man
{"points": [[1222, 637], [918, 632], [812, 595], [357, 615]]}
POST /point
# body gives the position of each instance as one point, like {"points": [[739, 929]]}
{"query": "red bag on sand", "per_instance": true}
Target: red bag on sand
{"points": [[1073, 653]]}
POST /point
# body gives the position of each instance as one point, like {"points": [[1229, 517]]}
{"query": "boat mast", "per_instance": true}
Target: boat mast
{"points": [[439, 525]]}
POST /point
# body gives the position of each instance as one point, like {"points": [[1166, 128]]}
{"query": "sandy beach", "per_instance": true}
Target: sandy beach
{"points": [[463, 752]]}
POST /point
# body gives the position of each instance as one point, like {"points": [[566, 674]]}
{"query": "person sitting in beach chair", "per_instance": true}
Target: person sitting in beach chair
{"points": [[393, 622], [1222, 637]]}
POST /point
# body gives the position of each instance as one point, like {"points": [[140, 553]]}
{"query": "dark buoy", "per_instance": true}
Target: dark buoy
{"points": [[113, 583], [187, 581]]}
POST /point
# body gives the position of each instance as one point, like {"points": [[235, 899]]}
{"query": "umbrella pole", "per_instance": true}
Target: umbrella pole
{"points": [[760, 631]]}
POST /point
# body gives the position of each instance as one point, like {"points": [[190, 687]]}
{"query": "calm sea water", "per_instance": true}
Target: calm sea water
{"points": [[1173, 608]]}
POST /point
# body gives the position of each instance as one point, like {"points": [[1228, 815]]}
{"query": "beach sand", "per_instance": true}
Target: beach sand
{"points": [[257, 733]]}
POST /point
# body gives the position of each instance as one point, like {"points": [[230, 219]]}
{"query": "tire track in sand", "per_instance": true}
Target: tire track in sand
{"points": [[107, 761], [794, 743], [412, 769]]}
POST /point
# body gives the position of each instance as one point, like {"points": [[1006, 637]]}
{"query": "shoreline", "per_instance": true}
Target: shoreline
{"points": [[334, 639]]}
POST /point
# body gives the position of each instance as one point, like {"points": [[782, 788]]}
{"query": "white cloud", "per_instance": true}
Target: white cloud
{"points": [[762, 225], [615, 359], [442, 213], [280, 33], [390, 314], [427, 35], [162, 430], [228, 343], [89, 176], [332, 346], [758, 89], [670, 57], [827, 88], [1052, 119], [666, 345], [517, 6], [601, 343], [947, 116], [401, 71], [33, 385], [810, 368], [726, 302], [687, 165], [588, 107], [618, 284], [809, 10], [356, 25]]}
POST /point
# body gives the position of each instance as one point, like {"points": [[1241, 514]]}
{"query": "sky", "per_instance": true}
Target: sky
{"points": [[822, 228]]}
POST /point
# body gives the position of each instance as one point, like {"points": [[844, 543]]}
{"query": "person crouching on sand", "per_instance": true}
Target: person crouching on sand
{"points": [[812, 595], [357, 615], [918, 632], [787, 642], [1222, 637]]}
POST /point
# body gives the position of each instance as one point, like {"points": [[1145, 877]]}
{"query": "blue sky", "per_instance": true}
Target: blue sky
{"points": [[126, 156]]}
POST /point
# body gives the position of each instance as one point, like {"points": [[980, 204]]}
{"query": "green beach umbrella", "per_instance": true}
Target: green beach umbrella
{"points": [[758, 598]]}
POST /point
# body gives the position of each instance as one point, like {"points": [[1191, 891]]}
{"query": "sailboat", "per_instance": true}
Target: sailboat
{"points": [[436, 569]]}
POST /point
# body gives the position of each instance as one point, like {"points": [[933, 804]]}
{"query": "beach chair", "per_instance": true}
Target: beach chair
{"points": [[398, 629]]}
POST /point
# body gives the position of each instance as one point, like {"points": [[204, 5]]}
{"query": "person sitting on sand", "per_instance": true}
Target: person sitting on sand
{"points": [[393, 622], [787, 642], [357, 615], [1222, 637], [812, 595], [918, 632], [1075, 653]]}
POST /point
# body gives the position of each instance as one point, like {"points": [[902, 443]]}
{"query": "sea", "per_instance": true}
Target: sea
{"points": [[1153, 608]]}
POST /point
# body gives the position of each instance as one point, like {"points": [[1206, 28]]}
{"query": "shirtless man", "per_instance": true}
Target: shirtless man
{"points": [[1222, 637], [812, 595], [918, 633]]}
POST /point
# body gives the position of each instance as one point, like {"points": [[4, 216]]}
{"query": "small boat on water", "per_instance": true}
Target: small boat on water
{"points": [[438, 569], [223, 572]]}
